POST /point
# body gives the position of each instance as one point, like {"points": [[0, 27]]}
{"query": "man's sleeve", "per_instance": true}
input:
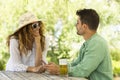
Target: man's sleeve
{"points": [[93, 56]]}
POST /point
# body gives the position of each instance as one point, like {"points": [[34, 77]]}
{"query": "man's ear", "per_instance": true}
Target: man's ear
{"points": [[85, 26]]}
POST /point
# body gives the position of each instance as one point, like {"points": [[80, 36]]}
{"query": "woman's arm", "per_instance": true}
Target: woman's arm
{"points": [[45, 50], [38, 57], [38, 69], [15, 62]]}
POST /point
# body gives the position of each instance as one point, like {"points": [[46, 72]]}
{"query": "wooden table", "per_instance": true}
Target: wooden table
{"points": [[6, 75]]}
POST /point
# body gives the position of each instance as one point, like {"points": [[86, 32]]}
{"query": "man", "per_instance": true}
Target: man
{"points": [[94, 61]]}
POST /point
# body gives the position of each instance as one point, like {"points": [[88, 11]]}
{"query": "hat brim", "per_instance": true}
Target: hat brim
{"points": [[22, 26]]}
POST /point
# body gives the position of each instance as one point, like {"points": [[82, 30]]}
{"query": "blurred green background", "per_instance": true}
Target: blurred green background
{"points": [[60, 19]]}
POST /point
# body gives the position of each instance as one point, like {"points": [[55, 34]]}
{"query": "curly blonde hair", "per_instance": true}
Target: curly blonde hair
{"points": [[26, 39]]}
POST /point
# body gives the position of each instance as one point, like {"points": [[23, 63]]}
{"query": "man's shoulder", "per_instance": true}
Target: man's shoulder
{"points": [[98, 39]]}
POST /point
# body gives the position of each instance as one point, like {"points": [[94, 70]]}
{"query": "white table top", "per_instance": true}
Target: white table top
{"points": [[6, 75]]}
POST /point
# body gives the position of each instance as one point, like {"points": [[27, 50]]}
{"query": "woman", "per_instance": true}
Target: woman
{"points": [[27, 45]]}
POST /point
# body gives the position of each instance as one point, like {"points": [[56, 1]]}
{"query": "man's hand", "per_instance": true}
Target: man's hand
{"points": [[52, 68]]}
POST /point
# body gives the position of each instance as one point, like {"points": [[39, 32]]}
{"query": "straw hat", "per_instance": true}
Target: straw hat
{"points": [[26, 19]]}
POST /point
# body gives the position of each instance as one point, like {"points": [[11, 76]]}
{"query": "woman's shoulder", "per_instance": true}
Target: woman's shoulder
{"points": [[47, 38], [13, 39]]}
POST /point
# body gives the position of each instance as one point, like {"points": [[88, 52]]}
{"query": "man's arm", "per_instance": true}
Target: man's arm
{"points": [[93, 56]]}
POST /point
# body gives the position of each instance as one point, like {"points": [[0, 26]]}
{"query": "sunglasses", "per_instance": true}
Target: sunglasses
{"points": [[35, 25]]}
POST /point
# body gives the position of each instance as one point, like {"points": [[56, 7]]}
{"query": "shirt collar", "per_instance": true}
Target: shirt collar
{"points": [[87, 41]]}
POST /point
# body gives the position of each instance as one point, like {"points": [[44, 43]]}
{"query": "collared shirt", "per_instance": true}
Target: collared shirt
{"points": [[19, 62], [94, 60]]}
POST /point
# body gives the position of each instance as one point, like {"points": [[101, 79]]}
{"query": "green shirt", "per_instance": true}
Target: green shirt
{"points": [[94, 60]]}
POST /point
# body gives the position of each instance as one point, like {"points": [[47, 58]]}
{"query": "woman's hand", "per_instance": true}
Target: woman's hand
{"points": [[38, 69]]}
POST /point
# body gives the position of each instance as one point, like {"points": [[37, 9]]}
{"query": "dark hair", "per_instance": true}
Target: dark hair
{"points": [[89, 17]]}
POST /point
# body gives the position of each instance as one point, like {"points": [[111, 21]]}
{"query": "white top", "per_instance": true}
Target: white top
{"points": [[19, 62]]}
